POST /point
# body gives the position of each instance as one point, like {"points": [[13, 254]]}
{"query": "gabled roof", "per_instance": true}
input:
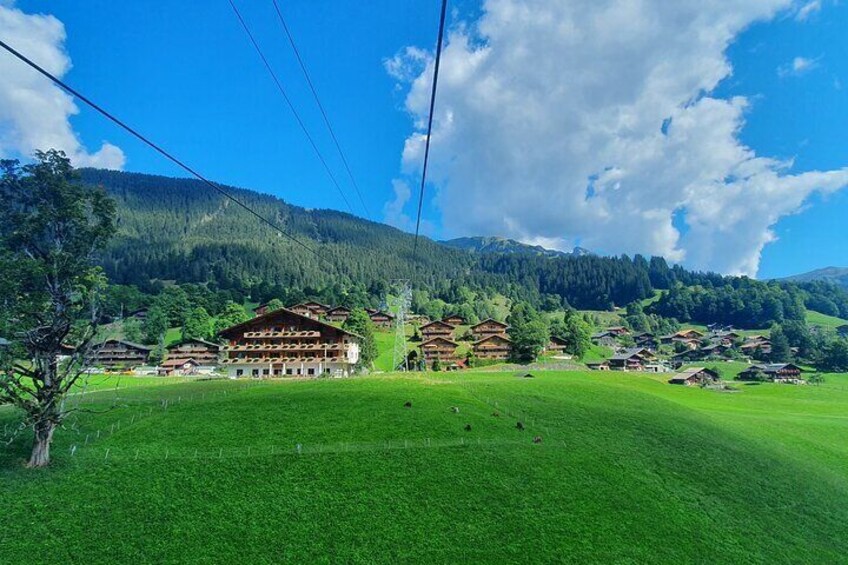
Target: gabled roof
{"points": [[632, 352], [692, 372], [558, 340], [441, 339], [258, 320], [123, 342], [599, 335], [498, 336], [772, 367], [381, 313], [490, 321], [193, 340], [338, 309], [438, 323], [177, 362]]}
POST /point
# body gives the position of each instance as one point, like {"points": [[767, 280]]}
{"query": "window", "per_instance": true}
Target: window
{"points": [[255, 372], [266, 372], [239, 372], [289, 372], [310, 371]]}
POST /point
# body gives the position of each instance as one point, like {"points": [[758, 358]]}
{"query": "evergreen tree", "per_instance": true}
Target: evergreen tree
{"points": [[780, 351], [360, 324], [132, 330], [155, 325], [528, 331]]}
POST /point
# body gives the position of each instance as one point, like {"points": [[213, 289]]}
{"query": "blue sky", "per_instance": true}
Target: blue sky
{"points": [[185, 74]]}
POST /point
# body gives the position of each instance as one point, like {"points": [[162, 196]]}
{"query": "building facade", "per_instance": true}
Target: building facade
{"points": [[437, 329], [497, 347], [118, 354], [204, 353], [338, 315], [381, 319], [439, 348], [284, 343], [488, 328]]}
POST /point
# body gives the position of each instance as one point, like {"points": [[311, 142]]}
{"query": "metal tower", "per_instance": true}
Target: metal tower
{"points": [[399, 302]]}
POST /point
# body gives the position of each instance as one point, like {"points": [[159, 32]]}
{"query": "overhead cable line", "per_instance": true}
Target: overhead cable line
{"points": [[430, 125], [320, 106], [290, 105], [73, 92]]}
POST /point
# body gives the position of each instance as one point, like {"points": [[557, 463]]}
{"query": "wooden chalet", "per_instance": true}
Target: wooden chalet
{"points": [[118, 354], [604, 339], [338, 315], [633, 359], [382, 319], [439, 348], [556, 344], [261, 309], [645, 339], [436, 329], [454, 320], [773, 371], [182, 366], [311, 309], [203, 352], [686, 336], [488, 328], [695, 376], [599, 365], [618, 330], [140, 314], [285, 343], [755, 344], [493, 347]]}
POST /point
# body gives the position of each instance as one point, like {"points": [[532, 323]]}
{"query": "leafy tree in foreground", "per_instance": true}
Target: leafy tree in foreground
{"points": [[359, 323], [132, 330], [51, 227], [275, 304]]}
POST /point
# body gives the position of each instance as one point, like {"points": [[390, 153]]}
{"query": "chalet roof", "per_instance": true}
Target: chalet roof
{"points": [[490, 321], [439, 323], [268, 316], [692, 371], [599, 335], [177, 362], [689, 331], [643, 334], [558, 340], [491, 337], [629, 353], [454, 316], [193, 340], [441, 339], [772, 367], [123, 342], [381, 313], [338, 309]]}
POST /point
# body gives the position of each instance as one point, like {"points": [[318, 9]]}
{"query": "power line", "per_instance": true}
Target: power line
{"points": [[430, 124], [290, 105], [73, 92], [320, 106]]}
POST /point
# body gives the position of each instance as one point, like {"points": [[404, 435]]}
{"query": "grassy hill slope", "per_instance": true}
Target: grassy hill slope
{"points": [[629, 469]]}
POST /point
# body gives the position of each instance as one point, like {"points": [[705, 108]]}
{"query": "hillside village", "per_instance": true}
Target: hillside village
{"points": [[310, 339]]}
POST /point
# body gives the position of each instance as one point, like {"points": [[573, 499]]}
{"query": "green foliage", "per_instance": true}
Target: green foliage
{"points": [[197, 324], [155, 325], [132, 330], [528, 331], [359, 323], [51, 227], [816, 379], [232, 315], [574, 330], [174, 302], [834, 356], [437, 365], [275, 304], [158, 353], [780, 351]]}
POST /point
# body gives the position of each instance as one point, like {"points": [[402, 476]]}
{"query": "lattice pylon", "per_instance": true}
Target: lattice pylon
{"points": [[401, 301]]}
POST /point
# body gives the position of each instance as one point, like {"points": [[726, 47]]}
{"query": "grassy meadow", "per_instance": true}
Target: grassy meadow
{"points": [[629, 469]]}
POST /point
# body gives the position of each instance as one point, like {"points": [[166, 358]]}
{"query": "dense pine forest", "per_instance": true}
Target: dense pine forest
{"points": [[178, 230]]}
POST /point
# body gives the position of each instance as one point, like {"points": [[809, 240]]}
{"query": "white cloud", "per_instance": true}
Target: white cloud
{"points": [[34, 114], [393, 211], [594, 122], [798, 67], [807, 10]]}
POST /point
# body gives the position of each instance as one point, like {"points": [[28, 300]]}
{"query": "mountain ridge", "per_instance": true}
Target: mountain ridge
{"points": [[496, 244]]}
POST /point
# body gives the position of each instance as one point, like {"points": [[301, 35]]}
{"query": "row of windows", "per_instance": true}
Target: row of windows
{"points": [[279, 372]]}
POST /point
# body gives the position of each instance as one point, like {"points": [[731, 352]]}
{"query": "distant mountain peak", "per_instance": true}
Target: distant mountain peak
{"points": [[837, 275], [495, 244]]}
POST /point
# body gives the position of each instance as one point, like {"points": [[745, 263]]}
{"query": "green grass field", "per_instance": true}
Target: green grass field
{"points": [[823, 320], [630, 469]]}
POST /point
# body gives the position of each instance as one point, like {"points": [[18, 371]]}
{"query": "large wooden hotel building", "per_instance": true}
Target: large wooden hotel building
{"points": [[284, 343]]}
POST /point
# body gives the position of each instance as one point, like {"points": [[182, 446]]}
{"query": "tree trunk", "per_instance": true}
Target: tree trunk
{"points": [[40, 456]]}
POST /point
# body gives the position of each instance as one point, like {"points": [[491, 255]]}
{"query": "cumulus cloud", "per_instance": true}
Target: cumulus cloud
{"points": [[34, 114], [595, 121], [797, 67]]}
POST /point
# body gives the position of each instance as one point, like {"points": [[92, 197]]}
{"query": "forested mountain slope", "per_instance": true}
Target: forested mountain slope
{"points": [[181, 230]]}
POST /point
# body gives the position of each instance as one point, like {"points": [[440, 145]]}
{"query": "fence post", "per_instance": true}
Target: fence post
{"points": [[107, 454]]}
